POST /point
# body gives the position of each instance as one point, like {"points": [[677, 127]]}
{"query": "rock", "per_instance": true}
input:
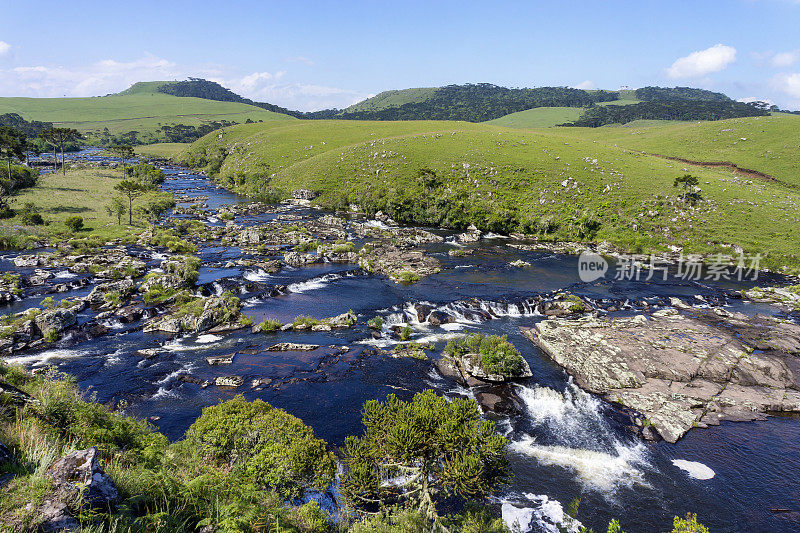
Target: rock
{"points": [[260, 382], [299, 259], [437, 318], [399, 264], [678, 370], [519, 263], [55, 320], [229, 381], [124, 287], [470, 365], [220, 359], [79, 475], [321, 327], [345, 320], [303, 194], [148, 353], [55, 516], [292, 347], [563, 304], [27, 261]]}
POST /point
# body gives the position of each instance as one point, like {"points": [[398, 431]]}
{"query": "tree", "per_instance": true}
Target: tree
{"points": [[123, 151], [57, 137], [687, 182], [132, 190], [117, 208], [258, 443], [417, 451], [12, 145], [74, 223]]}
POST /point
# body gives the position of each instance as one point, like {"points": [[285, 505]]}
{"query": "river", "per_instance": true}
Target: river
{"points": [[565, 443]]}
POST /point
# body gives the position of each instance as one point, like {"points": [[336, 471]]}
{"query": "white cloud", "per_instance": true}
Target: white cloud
{"points": [[703, 62], [5, 48], [787, 83], [586, 85], [749, 99], [267, 87], [101, 77], [785, 59], [111, 75]]}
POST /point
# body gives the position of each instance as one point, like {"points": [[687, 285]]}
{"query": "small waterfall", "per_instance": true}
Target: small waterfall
{"points": [[569, 430]]}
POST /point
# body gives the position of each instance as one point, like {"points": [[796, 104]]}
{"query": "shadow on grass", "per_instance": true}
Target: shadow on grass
{"points": [[67, 209]]}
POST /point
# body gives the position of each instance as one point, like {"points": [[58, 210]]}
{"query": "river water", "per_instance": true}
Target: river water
{"points": [[565, 443]]}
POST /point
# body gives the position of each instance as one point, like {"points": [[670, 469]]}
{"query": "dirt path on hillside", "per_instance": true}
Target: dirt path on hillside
{"points": [[730, 166]]}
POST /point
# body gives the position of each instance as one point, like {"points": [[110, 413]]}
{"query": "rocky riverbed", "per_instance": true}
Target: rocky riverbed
{"points": [[319, 312], [681, 368]]}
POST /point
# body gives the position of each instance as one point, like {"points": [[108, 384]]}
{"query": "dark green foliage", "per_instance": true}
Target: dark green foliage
{"points": [[30, 129], [268, 326], [210, 90], [666, 110], [648, 94], [74, 223], [688, 184], [438, 448], [266, 445], [481, 102], [146, 174], [497, 354]]}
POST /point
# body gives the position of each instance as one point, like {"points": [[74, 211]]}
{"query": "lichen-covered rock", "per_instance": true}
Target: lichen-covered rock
{"points": [[78, 477], [53, 321], [124, 287], [400, 264], [297, 259], [681, 370]]}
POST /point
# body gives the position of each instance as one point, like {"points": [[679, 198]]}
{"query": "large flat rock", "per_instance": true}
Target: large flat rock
{"points": [[681, 369]]}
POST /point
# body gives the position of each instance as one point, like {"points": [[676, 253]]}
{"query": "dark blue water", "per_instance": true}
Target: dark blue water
{"points": [[566, 444]]}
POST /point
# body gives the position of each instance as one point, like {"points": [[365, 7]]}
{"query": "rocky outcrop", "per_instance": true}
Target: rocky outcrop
{"points": [[54, 321], [212, 313], [124, 287], [681, 369], [303, 194], [400, 264], [78, 481], [786, 298], [292, 347], [297, 259]]}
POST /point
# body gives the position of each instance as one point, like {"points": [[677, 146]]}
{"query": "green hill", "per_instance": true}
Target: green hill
{"points": [[140, 108], [539, 117], [393, 99], [562, 184]]}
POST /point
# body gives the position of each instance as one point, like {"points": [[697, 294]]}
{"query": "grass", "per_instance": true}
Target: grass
{"points": [[772, 143], [523, 173], [82, 192], [394, 98], [166, 150], [539, 117], [141, 110]]}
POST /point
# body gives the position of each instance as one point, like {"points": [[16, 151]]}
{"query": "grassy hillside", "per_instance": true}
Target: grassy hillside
{"points": [[539, 117], [561, 184], [766, 144], [393, 99], [139, 108]]}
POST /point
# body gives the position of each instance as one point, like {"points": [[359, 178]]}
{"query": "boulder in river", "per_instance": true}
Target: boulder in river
{"points": [[681, 369]]}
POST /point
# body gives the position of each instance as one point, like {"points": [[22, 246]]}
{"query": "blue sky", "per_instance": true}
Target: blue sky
{"points": [[311, 55]]}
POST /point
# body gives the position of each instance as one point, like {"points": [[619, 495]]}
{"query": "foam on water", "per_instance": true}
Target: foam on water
{"points": [[694, 469], [256, 275], [318, 282], [65, 274], [537, 513], [44, 358], [580, 439], [604, 472], [207, 338]]}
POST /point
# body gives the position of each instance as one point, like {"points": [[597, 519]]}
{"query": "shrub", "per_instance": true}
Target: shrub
{"points": [[688, 525], [406, 276], [265, 445], [32, 219], [74, 223], [497, 354], [405, 333], [375, 323], [304, 321], [268, 326], [305, 247]]}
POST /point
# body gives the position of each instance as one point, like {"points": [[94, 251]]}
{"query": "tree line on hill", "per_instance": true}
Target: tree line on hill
{"points": [[597, 116], [170, 133], [484, 101]]}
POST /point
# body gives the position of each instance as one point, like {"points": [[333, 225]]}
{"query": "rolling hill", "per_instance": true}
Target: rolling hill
{"points": [[140, 108], [562, 184]]}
